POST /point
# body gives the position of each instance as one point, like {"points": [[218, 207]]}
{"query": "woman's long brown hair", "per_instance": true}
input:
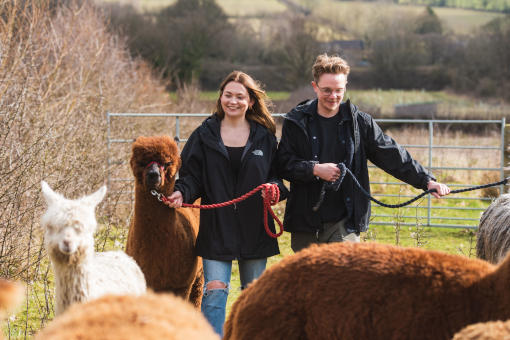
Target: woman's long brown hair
{"points": [[257, 112]]}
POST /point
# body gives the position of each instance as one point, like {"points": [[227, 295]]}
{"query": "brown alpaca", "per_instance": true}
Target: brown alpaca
{"points": [[11, 294], [162, 239], [493, 330], [150, 316], [370, 291]]}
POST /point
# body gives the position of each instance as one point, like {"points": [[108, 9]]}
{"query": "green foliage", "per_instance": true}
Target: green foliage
{"points": [[193, 30], [294, 51], [177, 39], [428, 22], [482, 66]]}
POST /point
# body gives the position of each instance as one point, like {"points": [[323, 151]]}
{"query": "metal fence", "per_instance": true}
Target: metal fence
{"points": [[448, 212]]}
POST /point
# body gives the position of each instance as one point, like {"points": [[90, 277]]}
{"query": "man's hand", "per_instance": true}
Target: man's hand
{"points": [[442, 189], [326, 171]]}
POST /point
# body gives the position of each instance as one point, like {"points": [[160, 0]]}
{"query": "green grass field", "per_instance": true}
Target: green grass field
{"points": [[360, 13], [450, 105]]}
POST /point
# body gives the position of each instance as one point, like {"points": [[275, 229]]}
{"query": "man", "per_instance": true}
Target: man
{"points": [[316, 136]]}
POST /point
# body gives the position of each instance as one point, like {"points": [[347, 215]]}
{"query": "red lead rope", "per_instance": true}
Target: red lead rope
{"points": [[271, 197]]}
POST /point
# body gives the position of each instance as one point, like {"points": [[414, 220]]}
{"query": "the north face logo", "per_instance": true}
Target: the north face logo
{"points": [[257, 152]]}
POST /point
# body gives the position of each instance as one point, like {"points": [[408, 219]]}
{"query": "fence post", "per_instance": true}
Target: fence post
{"points": [[506, 150], [108, 138]]}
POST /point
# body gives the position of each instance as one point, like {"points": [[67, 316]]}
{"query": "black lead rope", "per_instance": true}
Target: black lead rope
{"points": [[343, 169]]}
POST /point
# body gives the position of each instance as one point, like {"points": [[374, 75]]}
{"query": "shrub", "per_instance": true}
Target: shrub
{"points": [[61, 71]]}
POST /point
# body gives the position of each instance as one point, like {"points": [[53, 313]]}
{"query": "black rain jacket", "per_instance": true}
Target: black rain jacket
{"points": [[236, 231], [364, 140]]}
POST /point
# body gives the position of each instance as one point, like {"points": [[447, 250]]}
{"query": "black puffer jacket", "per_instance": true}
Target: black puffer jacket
{"points": [[232, 232], [364, 140]]}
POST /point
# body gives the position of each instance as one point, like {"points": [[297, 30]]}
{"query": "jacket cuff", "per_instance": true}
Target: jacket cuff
{"points": [[426, 180], [311, 165], [178, 187]]}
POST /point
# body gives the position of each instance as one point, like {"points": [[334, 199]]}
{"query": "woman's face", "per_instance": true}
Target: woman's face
{"points": [[235, 100]]}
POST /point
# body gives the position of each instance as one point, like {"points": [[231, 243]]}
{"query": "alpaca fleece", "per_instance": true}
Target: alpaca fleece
{"points": [[81, 274], [370, 291], [162, 239], [493, 330], [11, 295], [493, 236], [150, 316]]}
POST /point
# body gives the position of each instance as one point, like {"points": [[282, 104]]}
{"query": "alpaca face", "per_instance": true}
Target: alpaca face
{"points": [[155, 162], [69, 225]]}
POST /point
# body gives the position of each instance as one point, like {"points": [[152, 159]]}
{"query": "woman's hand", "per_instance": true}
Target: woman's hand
{"points": [[175, 200]]}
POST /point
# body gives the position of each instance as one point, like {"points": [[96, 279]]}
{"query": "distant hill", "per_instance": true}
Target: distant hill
{"points": [[463, 19]]}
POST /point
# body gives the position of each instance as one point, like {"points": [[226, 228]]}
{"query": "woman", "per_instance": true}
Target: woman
{"points": [[231, 153]]}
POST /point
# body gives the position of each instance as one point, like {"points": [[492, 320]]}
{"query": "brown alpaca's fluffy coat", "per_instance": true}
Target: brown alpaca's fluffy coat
{"points": [[151, 316], [370, 291], [162, 239], [493, 330]]}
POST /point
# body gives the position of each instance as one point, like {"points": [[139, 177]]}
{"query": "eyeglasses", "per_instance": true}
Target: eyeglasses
{"points": [[328, 92]]}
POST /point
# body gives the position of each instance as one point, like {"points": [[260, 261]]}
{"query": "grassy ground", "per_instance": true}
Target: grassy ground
{"points": [[449, 105]]}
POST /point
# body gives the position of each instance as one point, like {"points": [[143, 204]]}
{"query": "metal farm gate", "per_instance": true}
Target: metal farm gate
{"points": [[453, 211]]}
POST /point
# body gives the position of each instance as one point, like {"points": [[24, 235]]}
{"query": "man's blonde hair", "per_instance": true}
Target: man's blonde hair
{"points": [[329, 64]]}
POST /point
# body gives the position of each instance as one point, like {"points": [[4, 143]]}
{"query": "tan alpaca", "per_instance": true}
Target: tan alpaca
{"points": [[146, 317]]}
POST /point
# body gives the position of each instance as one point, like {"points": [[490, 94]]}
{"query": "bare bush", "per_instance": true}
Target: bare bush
{"points": [[60, 72]]}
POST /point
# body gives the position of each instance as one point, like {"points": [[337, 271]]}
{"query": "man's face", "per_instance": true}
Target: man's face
{"points": [[330, 90]]}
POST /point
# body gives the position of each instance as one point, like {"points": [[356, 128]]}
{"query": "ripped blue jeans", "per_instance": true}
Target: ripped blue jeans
{"points": [[214, 301]]}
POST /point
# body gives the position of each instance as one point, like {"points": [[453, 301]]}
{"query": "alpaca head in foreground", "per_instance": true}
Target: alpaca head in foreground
{"points": [[155, 162], [69, 225], [149, 316], [11, 295]]}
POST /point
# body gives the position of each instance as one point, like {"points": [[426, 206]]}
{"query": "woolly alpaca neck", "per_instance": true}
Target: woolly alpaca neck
{"points": [[494, 288], [72, 277], [149, 210]]}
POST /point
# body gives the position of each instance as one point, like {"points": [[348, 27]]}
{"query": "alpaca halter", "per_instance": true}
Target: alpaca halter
{"points": [[161, 167], [271, 197]]}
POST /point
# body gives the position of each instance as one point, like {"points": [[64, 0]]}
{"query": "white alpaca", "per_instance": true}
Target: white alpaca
{"points": [[80, 273]]}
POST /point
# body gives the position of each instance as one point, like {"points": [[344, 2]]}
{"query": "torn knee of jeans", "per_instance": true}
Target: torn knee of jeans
{"points": [[216, 285]]}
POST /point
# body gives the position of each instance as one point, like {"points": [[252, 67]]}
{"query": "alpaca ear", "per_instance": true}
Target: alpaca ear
{"points": [[95, 198], [49, 195]]}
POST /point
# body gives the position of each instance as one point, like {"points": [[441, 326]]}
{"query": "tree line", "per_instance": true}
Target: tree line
{"points": [[482, 5], [193, 41]]}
